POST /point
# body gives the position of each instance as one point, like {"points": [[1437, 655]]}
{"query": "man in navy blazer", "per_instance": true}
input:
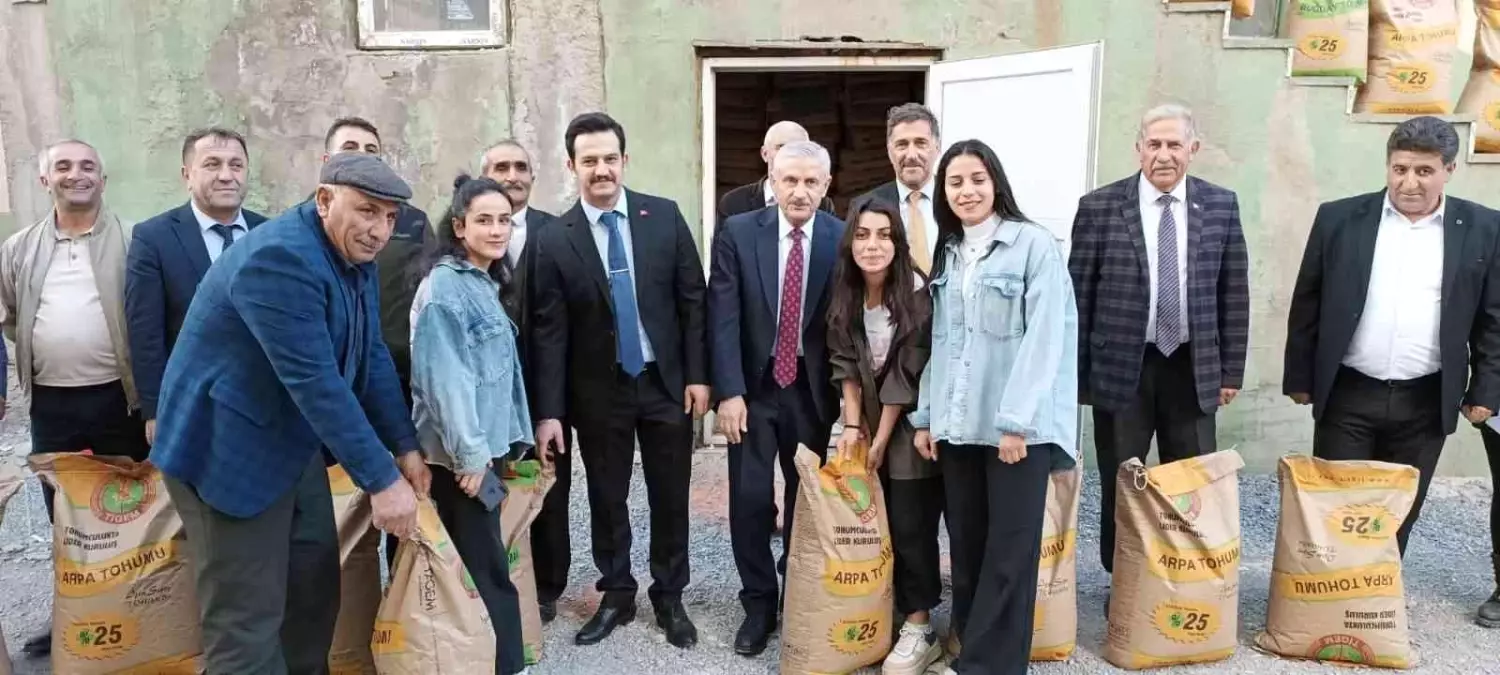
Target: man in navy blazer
{"points": [[170, 253], [769, 363], [280, 358]]}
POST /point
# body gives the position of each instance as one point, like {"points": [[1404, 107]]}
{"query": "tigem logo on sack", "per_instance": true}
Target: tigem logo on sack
{"points": [[854, 491], [121, 499], [1346, 648]]}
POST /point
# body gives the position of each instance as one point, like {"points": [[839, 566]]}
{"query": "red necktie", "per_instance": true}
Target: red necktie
{"points": [[785, 366]]}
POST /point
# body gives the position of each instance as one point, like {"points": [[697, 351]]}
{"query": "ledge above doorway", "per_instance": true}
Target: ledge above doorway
{"points": [[845, 47]]}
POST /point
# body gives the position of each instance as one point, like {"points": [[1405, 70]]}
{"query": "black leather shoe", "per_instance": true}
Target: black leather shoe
{"points": [[1489, 612], [754, 633], [605, 621], [674, 621], [549, 611], [38, 646]]}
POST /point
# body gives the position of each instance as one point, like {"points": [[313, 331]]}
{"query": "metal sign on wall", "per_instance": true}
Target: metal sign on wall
{"points": [[427, 24]]}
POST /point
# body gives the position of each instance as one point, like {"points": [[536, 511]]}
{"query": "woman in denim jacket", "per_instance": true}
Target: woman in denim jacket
{"points": [[469, 401], [998, 408]]}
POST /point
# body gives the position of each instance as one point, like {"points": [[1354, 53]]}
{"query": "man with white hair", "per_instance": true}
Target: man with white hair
{"points": [[760, 194], [62, 288], [1161, 275], [769, 363]]}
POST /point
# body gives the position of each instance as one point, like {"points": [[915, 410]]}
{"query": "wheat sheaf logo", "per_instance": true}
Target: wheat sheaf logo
{"points": [[121, 499], [1346, 648]]}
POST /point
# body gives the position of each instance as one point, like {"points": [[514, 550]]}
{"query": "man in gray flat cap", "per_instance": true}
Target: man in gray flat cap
{"points": [[279, 362]]}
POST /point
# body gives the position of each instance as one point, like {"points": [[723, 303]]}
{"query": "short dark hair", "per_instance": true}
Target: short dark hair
{"points": [[907, 113], [592, 123], [1425, 134], [356, 122], [211, 132]]}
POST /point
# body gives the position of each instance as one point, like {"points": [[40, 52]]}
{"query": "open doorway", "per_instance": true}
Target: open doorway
{"points": [[841, 110]]}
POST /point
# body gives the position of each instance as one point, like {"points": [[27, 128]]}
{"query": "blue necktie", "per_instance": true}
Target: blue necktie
{"points": [[1168, 304], [622, 292]]}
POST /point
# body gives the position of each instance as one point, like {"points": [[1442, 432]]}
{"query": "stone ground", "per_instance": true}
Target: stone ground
{"points": [[1447, 574]]}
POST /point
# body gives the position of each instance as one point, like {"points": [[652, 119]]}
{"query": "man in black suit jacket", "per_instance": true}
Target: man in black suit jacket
{"points": [[770, 364], [912, 143], [510, 165], [170, 253], [1394, 328], [619, 352], [759, 195], [1161, 275]]}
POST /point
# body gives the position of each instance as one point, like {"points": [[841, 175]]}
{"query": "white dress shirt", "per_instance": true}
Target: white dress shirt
{"points": [[769, 193], [211, 239], [784, 253], [1151, 229], [925, 204], [1397, 336], [601, 240], [518, 231]]}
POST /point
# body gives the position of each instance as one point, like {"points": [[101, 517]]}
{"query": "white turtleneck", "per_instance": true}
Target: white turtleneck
{"points": [[976, 243]]}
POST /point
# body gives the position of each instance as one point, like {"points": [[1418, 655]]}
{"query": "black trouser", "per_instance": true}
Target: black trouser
{"points": [[1492, 449], [1166, 406], [1385, 421], [914, 509], [96, 418], [268, 585], [476, 535], [551, 546], [607, 442], [995, 513], [779, 420]]}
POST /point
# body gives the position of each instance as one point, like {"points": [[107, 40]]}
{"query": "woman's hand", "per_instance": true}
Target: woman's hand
{"points": [[470, 482], [849, 439], [925, 447], [876, 456], [1012, 448]]}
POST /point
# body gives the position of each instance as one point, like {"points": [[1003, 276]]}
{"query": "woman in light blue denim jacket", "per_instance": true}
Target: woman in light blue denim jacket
{"points": [[998, 408], [469, 401]]}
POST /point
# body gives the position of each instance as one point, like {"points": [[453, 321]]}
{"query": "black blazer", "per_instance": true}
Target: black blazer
{"points": [[573, 334], [166, 260], [747, 198], [885, 192], [524, 298], [1329, 298], [742, 306]]}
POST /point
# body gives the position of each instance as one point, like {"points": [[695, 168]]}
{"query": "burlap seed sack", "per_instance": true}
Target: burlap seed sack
{"points": [[359, 577], [1412, 45], [1336, 592], [124, 599], [1174, 598], [10, 481], [1481, 96], [838, 610], [1332, 38], [526, 486], [432, 621], [1055, 631]]}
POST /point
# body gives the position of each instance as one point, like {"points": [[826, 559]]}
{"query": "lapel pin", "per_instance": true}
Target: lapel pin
{"points": [[1197, 206], [643, 213]]}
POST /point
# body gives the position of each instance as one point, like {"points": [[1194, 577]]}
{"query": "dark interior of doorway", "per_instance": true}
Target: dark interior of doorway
{"points": [[843, 111]]}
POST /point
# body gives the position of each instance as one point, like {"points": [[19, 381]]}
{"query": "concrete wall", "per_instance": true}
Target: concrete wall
{"points": [[133, 77]]}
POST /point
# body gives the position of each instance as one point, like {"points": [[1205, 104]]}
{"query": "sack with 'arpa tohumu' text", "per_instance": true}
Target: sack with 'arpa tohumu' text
{"points": [[359, 576], [526, 486], [1055, 625]]}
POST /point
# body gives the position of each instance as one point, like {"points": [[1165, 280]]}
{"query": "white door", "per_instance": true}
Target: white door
{"points": [[1039, 111]]}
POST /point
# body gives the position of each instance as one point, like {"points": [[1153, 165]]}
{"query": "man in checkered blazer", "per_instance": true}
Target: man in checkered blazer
{"points": [[1162, 278]]}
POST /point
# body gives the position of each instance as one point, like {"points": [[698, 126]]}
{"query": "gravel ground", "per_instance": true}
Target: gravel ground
{"points": [[1447, 574]]}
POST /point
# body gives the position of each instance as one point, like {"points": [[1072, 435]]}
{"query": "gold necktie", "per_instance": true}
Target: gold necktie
{"points": [[916, 232]]}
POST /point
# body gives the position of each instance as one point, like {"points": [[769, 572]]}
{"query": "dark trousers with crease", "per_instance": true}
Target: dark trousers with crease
{"points": [[1386, 421], [268, 585], [476, 535], [779, 420], [641, 408], [995, 513], [1492, 449], [96, 418], [1166, 407], [551, 545], [914, 509]]}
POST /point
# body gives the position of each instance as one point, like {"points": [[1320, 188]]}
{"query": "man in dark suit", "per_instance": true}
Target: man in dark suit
{"points": [[1161, 276], [912, 143], [170, 253], [1394, 327], [278, 361], [510, 165], [758, 195], [768, 299], [619, 352]]}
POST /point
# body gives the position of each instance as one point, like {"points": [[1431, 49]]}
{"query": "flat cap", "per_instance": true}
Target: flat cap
{"points": [[366, 173]]}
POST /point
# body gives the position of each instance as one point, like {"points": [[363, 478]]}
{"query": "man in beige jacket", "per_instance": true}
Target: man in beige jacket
{"points": [[62, 286]]}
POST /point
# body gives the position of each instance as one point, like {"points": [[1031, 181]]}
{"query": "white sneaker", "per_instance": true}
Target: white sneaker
{"points": [[916, 649]]}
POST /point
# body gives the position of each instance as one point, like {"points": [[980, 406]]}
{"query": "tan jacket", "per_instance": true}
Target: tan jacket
{"points": [[24, 258]]}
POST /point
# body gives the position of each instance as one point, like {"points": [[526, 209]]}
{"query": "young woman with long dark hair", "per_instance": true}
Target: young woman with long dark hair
{"points": [[998, 408], [879, 331], [469, 400]]}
